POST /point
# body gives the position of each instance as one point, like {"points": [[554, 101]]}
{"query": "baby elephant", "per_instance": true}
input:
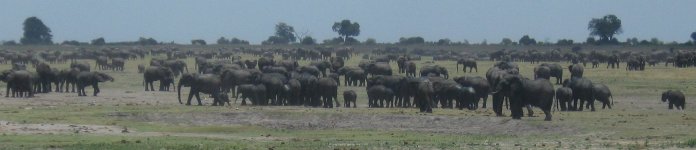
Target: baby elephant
{"points": [[348, 97], [675, 98]]}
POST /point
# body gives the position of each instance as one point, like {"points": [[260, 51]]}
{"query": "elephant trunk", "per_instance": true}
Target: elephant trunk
{"points": [[178, 90]]}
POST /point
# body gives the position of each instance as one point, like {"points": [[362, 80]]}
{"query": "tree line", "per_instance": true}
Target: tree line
{"points": [[602, 30]]}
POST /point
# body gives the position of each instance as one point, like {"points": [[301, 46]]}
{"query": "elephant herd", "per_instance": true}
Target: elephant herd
{"points": [[267, 81]]}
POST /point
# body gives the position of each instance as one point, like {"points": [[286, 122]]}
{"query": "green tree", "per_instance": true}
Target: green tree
{"points": [[346, 29], [147, 41], [284, 34], [370, 41], [444, 41], [605, 28], [9, 43], [564, 42], [411, 40], [308, 40], [98, 41], [198, 42], [590, 40], [693, 36], [36, 32], [526, 40], [506, 41], [222, 41]]}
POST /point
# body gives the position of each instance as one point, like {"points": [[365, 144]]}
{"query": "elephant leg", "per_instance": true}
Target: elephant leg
{"points": [[7, 91], [530, 112], [591, 103], [96, 88], [498, 104], [582, 104], [198, 98], [671, 105], [216, 100]]}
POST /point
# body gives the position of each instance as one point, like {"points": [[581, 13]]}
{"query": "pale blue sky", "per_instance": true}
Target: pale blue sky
{"points": [[384, 20]]}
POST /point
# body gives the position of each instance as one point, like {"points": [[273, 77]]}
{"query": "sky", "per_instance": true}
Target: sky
{"points": [[384, 20]]}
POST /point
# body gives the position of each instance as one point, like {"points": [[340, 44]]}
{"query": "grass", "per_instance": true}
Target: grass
{"points": [[639, 120]]}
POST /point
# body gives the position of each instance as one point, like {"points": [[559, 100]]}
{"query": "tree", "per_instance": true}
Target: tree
{"points": [[444, 41], [693, 36], [564, 42], [147, 41], [526, 40], [411, 40], [71, 42], [36, 32], [506, 41], [590, 40], [222, 41], [605, 28], [98, 41], [370, 41], [198, 42], [346, 29], [308, 40], [284, 34], [9, 43]]}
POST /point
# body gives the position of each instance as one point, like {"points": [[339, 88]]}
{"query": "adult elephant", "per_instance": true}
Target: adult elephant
{"points": [[141, 68], [424, 96], [556, 71], [309, 95], [255, 93], [328, 90], [70, 78], [675, 97], [401, 64], [293, 92], [250, 64], [524, 92], [542, 72], [602, 93], [564, 97], [102, 63], [612, 61], [481, 87], [494, 76], [274, 83], [321, 66], [177, 66], [200, 83], [448, 91], [265, 61], [410, 69], [85, 79], [118, 64], [379, 68], [353, 76], [576, 70], [583, 90], [231, 78], [337, 63], [18, 81], [46, 77], [155, 73], [82, 66], [467, 63], [376, 95], [436, 70]]}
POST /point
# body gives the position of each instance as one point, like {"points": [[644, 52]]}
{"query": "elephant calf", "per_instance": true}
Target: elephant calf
{"points": [[85, 79], [348, 97], [675, 98]]}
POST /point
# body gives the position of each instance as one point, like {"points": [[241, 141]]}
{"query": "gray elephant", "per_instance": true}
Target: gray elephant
{"points": [[583, 90], [141, 68], [379, 68], [231, 78], [348, 97], [576, 70], [556, 71], [411, 68], [376, 95], [82, 66], [353, 76], [293, 92], [524, 92], [19, 82], [424, 96], [177, 66], [162, 74], [542, 72], [200, 83], [435, 70], [675, 97], [328, 91], [85, 79], [448, 91], [250, 64], [467, 63], [118, 64], [602, 93], [481, 87], [564, 97], [255, 93]]}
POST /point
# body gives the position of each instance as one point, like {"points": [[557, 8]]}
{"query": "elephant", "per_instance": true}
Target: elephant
{"points": [[613, 60], [401, 64], [290, 65], [118, 64], [410, 68], [434, 69], [141, 68], [377, 94], [85, 79], [231, 78], [335, 77], [576, 70], [602, 93], [309, 95], [265, 61], [46, 77], [321, 66], [379, 68], [353, 76], [250, 64], [82, 66], [495, 75], [524, 92], [313, 70], [564, 97], [583, 90], [481, 87], [348, 97], [337, 63], [200, 83], [277, 69], [542, 72], [556, 71], [255, 93], [675, 97], [154, 73], [328, 90], [467, 63], [448, 90], [177, 66], [19, 82], [293, 92], [274, 83], [424, 96], [102, 63]]}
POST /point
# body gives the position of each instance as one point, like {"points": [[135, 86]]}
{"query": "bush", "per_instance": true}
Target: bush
{"points": [[9, 43], [411, 40], [370, 41], [98, 41]]}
